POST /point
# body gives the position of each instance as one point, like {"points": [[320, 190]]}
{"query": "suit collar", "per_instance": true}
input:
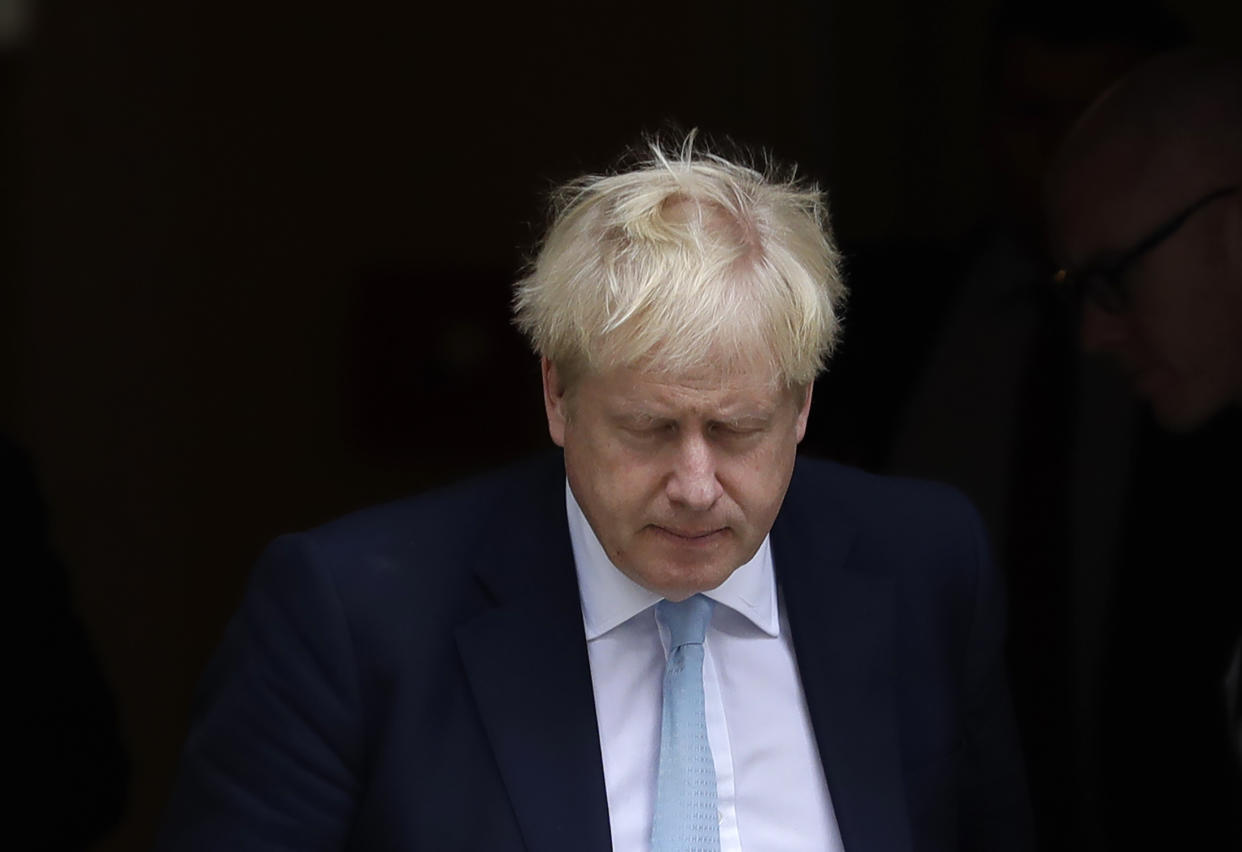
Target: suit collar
{"points": [[842, 620], [527, 665]]}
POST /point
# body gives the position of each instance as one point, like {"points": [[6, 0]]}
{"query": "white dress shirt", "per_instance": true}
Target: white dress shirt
{"points": [[770, 787]]}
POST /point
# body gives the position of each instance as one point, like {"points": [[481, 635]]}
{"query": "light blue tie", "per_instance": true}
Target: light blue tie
{"points": [[685, 810]]}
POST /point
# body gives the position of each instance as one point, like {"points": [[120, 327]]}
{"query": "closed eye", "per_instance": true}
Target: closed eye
{"points": [[737, 430], [644, 428]]}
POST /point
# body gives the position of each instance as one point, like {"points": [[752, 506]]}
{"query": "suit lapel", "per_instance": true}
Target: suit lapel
{"points": [[527, 665], [842, 621]]}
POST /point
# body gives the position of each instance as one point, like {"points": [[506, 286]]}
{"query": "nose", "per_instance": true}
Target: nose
{"points": [[693, 483], [1101, 331]]}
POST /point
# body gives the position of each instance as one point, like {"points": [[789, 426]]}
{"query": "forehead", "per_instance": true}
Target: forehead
{"points": [[704, 390], [1122, 173], [1106, 199]]}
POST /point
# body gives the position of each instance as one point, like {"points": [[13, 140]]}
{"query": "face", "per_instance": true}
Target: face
{"points": [[680, 477], [1179, 338]]}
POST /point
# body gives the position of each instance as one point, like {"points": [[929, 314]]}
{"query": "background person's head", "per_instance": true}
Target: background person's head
{"points": [[1146, 218], [682, 308], [1046, 61]]}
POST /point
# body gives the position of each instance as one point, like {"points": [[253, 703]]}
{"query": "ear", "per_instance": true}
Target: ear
{"points": [[804, 410], [554, 401]]}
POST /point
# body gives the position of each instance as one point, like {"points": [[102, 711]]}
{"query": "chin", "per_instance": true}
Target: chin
{"points": [[677, 583], [1180, 414]]}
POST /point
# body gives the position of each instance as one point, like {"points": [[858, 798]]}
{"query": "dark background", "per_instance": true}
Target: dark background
{"points": [[256, 259]]}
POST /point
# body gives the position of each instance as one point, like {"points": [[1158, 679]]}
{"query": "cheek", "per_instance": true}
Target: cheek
{"points": [[1186, 309], [1163, 309], [758, 481], [619, 485]]}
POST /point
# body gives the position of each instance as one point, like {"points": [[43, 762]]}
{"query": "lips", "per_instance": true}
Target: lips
{"points": [[690, 535], [1148, 381]]}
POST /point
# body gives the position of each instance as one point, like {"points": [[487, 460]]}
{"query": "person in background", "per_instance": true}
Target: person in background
{"points": [[1144, 203], [70, 758], [1003, 407]]}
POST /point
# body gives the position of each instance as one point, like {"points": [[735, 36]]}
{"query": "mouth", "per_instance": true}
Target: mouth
{"points": [[691, 536], [1148, 381]]}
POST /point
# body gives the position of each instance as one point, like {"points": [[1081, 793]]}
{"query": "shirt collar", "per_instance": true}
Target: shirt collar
{"points": [[610, 598]]}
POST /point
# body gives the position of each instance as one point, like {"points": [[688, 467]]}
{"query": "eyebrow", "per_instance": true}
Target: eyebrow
{"points": [[632, 417], [644, 417], [1113, 260], [746, 420]]}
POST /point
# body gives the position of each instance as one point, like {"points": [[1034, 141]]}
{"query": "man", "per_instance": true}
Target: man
{"points": [[1145, 202], [70, 757], [1145, 210], [510, 664], [1003, 408]]}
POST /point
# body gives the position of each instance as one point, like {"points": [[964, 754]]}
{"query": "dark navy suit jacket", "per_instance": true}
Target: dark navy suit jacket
{"points": [[415, 677]]}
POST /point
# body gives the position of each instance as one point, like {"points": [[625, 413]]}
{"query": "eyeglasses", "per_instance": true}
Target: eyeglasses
{"points": [[1103, 283]]}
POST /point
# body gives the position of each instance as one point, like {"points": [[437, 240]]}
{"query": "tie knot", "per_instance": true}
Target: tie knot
{"points": [[686, 620]]}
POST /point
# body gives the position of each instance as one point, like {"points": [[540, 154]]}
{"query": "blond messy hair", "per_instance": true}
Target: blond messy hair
{"points": [[684, 262]]}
